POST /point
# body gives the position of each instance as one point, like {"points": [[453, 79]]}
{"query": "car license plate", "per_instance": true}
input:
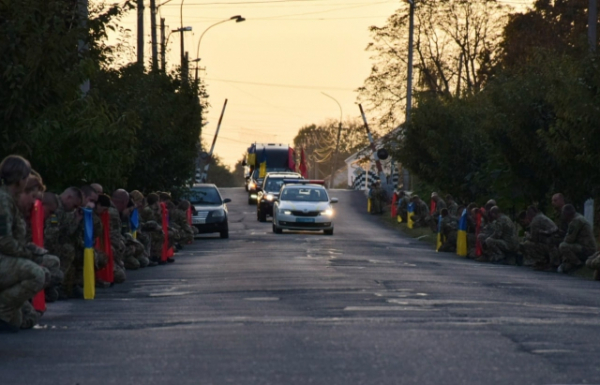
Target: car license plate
{"points": [[305, 220], [198, 221]]}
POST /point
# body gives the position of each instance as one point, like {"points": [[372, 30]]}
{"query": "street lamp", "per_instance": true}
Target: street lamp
{"points": [[337, 145], [237, 18]]}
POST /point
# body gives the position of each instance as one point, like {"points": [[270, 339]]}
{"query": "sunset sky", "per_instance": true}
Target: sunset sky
{"points": [[274, 66]]}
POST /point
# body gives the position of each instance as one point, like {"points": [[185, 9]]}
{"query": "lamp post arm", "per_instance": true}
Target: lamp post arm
{"points": [[206, 30]]}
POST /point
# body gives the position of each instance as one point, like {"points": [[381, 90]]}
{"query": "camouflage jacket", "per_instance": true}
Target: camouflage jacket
{"points": [[439, 206], [448, 226], [541, 229], [12, 228], [505, 230], [421, 209], [62, 227], [178, 218], [115, 224], [580, 232], [148, 220], [453, 209]]}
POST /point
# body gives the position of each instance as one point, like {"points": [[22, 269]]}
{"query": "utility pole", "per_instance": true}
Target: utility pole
{"points": [[163, 60], [204, 176], [411, 31], [185, 67], [183, 74], [140, 32], [153, 35], [82, 46], [592, 24]]}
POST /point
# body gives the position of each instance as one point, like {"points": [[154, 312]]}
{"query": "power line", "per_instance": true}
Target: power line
{"points": [[282, 85]]}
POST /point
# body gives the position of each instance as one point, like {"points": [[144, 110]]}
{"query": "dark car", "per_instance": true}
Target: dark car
{"points": [[255, 181], [269, 192], [209, 213]]}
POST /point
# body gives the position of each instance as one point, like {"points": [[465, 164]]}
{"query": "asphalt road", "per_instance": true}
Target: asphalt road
{"points": [[365, 306]]}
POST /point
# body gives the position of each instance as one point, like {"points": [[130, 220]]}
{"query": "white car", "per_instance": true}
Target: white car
{"points": [[303, 206]]}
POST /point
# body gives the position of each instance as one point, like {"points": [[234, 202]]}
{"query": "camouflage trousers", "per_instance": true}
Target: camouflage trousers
{"points": [[187, 234], [157, 239], [136, 250], [66, 254], [144, 239], [422, 221], [496, 249], [52, 264], [20, 280], [536, 253], [574, 253], [119, 273]]}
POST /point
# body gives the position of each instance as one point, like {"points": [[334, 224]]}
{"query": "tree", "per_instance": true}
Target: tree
{"points": [[456, 46], [559, 26], [69, 138], [319, 143]]}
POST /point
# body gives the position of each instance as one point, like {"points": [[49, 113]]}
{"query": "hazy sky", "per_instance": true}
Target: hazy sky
{"points": [[274, 66]]}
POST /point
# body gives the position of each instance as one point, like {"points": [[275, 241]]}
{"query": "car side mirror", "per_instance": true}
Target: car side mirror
{"points": [[226, 200], [333, 200]]}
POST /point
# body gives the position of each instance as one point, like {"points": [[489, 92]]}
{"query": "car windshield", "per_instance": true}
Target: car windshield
{"points": [[273, 185], [304, 194], [204, 196]]}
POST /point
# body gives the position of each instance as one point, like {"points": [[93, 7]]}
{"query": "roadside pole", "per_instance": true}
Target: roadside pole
{"points": [[153, 35], [204, 176], [163, 59], [140, 32]]}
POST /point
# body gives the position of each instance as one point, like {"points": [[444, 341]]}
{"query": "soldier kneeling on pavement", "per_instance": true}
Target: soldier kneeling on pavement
{"points": [[20, 277], [421, 216], [579, 243], [449, 231], [504, 241], [538, 248]]}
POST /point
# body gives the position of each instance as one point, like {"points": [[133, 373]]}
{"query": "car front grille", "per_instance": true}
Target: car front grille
{"points": [[306, 225], [201, 215], [306, 214]]}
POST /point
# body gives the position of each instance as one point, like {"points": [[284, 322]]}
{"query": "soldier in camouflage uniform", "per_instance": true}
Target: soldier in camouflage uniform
{"points": [[440, 204], [150, 223], [61, 234], [579, 243], [179, 220], [421, 216], [504, 240], [452, 206], [142, 236], [129, 251], [449, 231], [20, 277], [538, 247], [402, 205], [33, 190]]}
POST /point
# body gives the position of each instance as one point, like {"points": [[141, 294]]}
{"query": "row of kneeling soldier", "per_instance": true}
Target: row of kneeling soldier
{"points": [[561, 244], [55, 271]]}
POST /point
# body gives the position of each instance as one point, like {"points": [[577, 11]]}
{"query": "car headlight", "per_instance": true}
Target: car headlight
{"points": [[218, 213], [252, 185], [285, 212], [327, 213], [269, 197]]}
